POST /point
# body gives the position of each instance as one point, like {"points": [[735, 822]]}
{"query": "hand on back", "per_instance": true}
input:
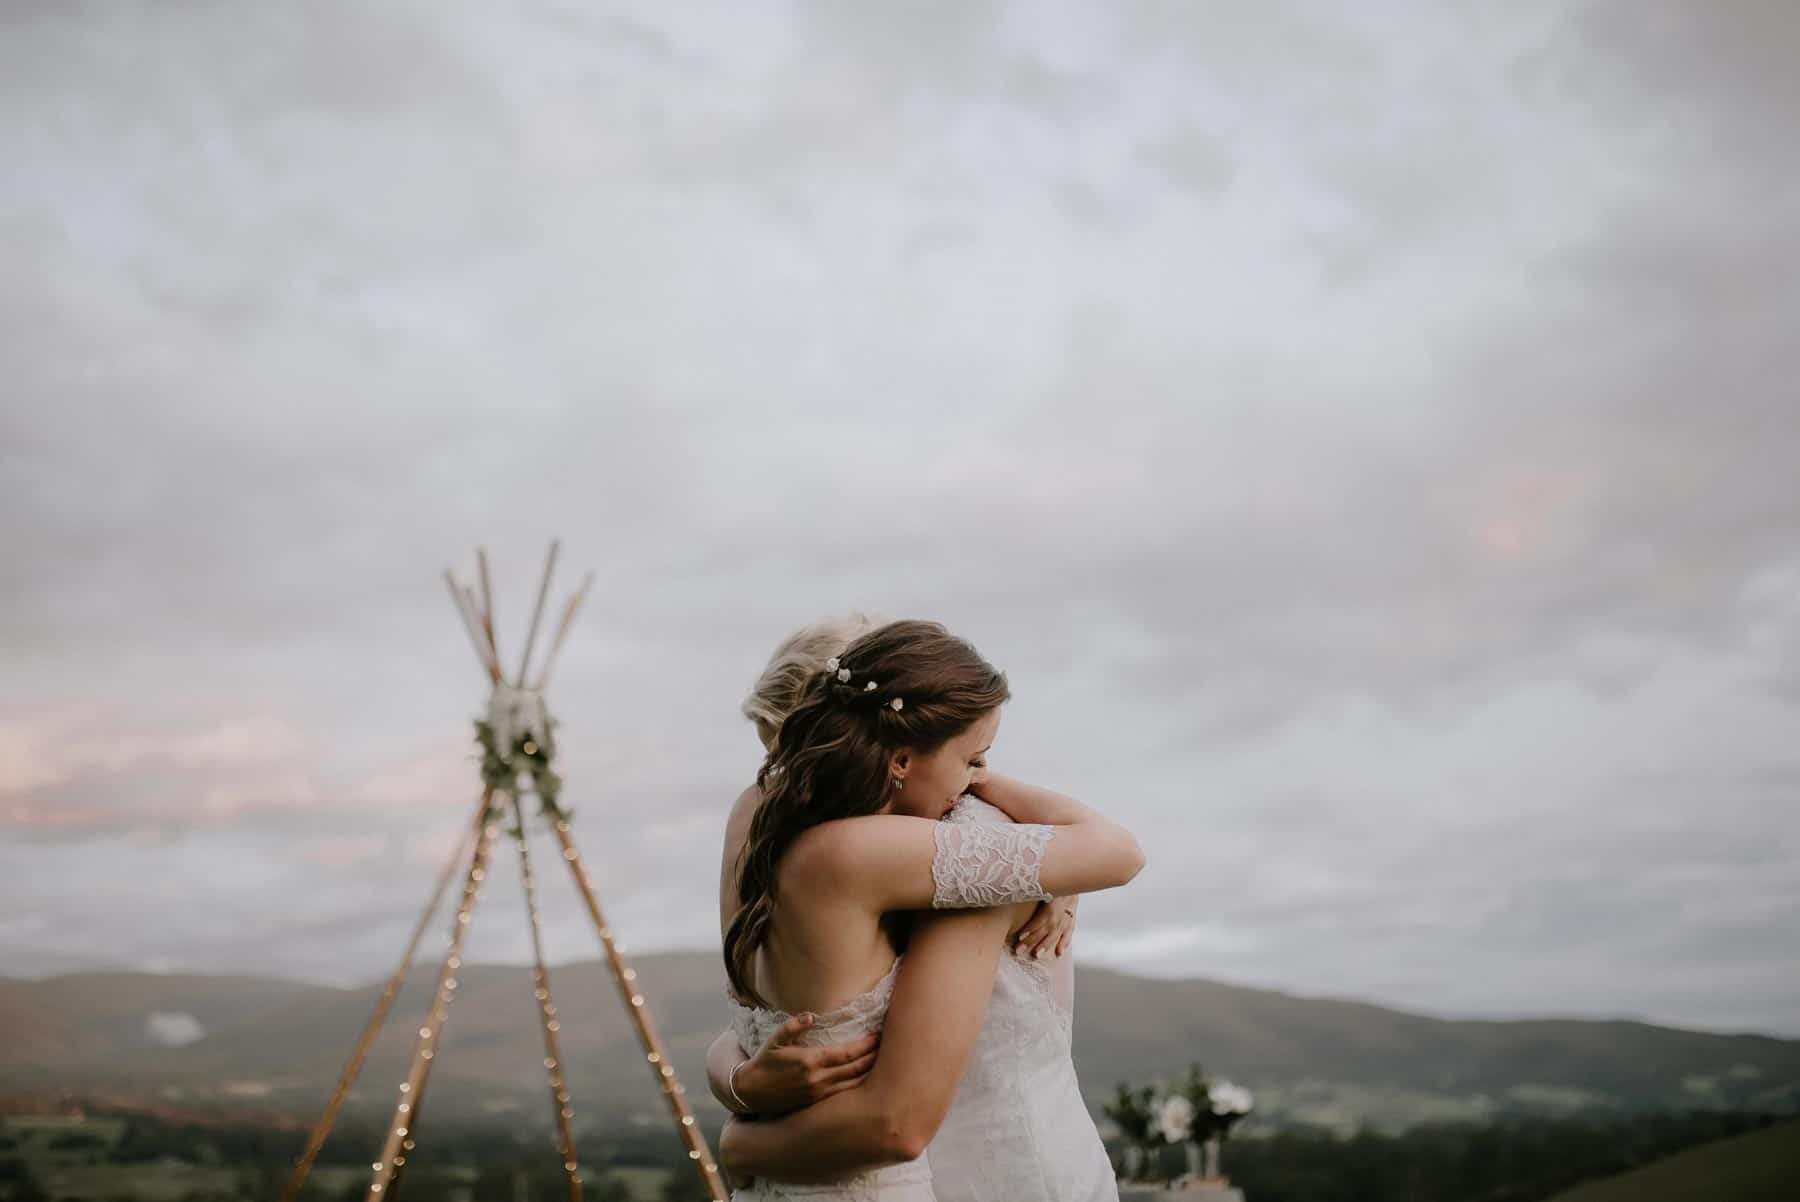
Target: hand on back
{"points": [[1049, 930], [787, 1075]]}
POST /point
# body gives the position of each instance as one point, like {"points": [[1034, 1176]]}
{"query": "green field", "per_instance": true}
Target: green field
{"points": [[1758, 1166], [1650, 1158], [64, 1158]]}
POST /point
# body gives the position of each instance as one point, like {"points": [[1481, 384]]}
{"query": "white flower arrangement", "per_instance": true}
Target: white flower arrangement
{"points": [[1175, 1119]]}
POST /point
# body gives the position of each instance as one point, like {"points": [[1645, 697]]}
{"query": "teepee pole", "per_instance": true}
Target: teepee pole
{"points": [[553, 1062], [487, 606], [466, 610], [397, 1144], [625, 977], [569, 612], [537, 614], [353, 1067]]}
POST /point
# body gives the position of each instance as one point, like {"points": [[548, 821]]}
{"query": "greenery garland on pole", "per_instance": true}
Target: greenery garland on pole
{"points": [[518, 745]]}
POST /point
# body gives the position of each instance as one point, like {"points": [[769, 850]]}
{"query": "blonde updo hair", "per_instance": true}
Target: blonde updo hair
{"points": [[800, 657]]}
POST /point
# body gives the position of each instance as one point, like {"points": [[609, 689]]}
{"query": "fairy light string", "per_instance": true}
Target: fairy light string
{"points": [[632, 994], [398, 1143], [560, 1108]]}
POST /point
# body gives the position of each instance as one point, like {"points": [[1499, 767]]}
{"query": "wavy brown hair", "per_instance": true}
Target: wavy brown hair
{"points": [[830, 758]]}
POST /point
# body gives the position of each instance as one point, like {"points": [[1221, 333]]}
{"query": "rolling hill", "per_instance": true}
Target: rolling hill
{"points": [[274, 1046], [1758, 1166]]}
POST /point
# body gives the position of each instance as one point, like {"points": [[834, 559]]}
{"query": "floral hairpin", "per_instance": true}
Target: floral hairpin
{"points": [[834, 668]]}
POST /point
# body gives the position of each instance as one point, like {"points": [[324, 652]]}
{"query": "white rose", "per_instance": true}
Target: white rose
{"points": [[1175, 1119], [1229, 1099]]}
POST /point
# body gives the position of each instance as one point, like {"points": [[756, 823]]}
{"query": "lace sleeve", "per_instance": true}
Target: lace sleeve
{"points": [[976, 864]]}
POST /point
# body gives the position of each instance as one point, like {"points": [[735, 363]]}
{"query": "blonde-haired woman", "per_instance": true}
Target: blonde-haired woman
{"points": [[800, 657]]}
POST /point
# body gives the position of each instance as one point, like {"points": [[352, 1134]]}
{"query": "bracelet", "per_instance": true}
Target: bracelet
{"points": [[731, 1085]]}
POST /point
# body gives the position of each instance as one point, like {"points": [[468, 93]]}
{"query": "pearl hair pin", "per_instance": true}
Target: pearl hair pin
{"points": [[834, 667]]}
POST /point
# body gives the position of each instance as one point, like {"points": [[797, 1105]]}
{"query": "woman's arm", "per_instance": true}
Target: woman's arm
{"points": [[1106, 849], [1031, 803], [893, 862], [785, 1075], [932, 1020]]}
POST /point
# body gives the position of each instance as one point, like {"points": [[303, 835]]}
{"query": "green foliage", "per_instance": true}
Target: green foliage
{"points": [[501, 766], [1195, 1086], [19, 1184], [76, 1141], [1130, 1109]]}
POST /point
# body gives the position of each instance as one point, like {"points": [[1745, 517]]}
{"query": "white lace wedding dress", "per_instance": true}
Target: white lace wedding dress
{"points": [[754, 1026], [1017, 1129]]}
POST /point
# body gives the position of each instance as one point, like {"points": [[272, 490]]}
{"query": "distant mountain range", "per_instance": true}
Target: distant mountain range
{"points": [[273, 1047]]}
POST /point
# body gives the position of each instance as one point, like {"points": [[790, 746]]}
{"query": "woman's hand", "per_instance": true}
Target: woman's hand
{"points": [[787, 1076], [1049, 929]]}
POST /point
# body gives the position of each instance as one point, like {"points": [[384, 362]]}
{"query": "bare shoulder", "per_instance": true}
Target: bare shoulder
{"points": [[847, 847], [744, 808]]}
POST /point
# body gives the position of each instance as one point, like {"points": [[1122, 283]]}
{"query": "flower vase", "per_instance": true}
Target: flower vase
{"points": [[1134, 1162], [1193, 1158], [1212, 1158]]}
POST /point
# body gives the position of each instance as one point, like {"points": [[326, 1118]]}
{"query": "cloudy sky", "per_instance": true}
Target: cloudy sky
{"points": [[1367, 440]]}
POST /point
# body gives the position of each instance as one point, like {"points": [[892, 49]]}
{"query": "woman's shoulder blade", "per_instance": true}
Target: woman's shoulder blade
{"points": [[844, 844]]}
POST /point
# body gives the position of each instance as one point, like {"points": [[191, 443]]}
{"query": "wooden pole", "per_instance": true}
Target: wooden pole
{"points": [[465, 609], [490, 659], [537, 613], [553, 1061], [487, 604], [626, 979], [569, 612], [398, 1144], [353, 1067]]}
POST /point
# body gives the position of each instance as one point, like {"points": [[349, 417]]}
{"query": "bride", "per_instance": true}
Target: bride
{"points": [[843, 835]]}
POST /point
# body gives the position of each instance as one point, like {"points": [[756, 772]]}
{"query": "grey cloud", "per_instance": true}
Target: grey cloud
{"points": [[1377, 488], [1191, 158]]}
